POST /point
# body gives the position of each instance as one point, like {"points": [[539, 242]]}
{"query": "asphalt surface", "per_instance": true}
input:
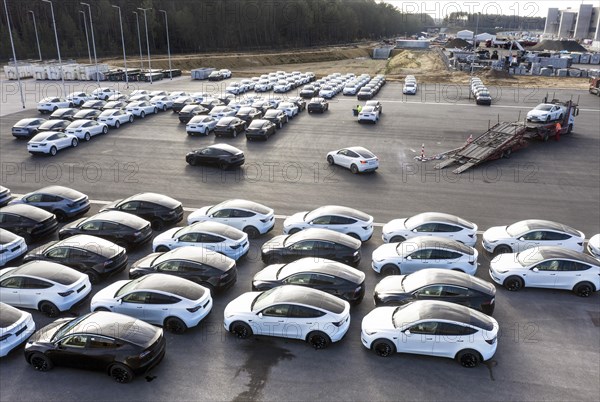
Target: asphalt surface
{"points": [[549, 343]]}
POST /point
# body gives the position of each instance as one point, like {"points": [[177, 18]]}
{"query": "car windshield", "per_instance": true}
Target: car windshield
{"points": [[516, 229], [128, 287], [264, 299], [67, 327], [544, 107], [529, 257], [401, 318], [412, 282]]}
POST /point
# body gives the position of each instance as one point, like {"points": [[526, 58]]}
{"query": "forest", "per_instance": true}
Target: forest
{"points": [[199, 25], [492, 23]]}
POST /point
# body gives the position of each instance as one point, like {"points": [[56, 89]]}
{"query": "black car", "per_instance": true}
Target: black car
{"points": [[117, 344], [93, 104], [222, 155], [317, 105], [309, 92], [210, 103], [436, 284], [248, 114], [483, 99], [365, 93], [160, 210], [277, 117], [26, 128], [329, 276], [64, 202], [5, 196], [216, 76], [209, 269], [226, 99], [262, 105], [260, 129], [298, 101], [189, 111], [316, 243], [54, 125], [124, 229], [89, 114], [230, 126], [29, 222], [64, 113], [97, 258], [183, 101]]}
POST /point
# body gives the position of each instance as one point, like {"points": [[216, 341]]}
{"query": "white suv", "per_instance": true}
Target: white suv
{"points": [[345, 220]]}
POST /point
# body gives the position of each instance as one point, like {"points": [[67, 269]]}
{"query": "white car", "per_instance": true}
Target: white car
{"points": [[201, 124], [593, 246], [140, 98], [118, 97], [252, 218], [158, 93], [166, 300], [16, 327], [546, 112], [50, 104], [79, 98], [177, 94], [289, 311], [114, 105], [104, 93], [45, 286], [141, 109], [531, 233], [351, 88], [263, 86], [282, 86], [289, 108], [327, 92], [213, 236], [225, 73], [430, 224], [424, 252], [357, 159], [432, 328], [50, 142], [138, 92], [85, 129], [222, 111], [547, 267], [345, 220], [115, 117], [162, 102], [247, 84], [236, 88], [11, 246], [410, 88], [368, 113]]}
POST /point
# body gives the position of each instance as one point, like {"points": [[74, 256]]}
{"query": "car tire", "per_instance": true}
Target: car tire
{"points": [[234, 133], [251, 231], [241, 330], [70, 104], [193, 162], [560, 117], [175, 325], [49, 309], [143, 115], [468, 358], [583, 289], [40, 362], [503, 249], [355, 236], [397, 239], [117, 124], [131, 119], [93, 276], [87, 137], [223, 165], [162, 249], [318, 340], [54, 109], [164, 108], [383, 348], [75, 142], [53, 151], [158, 224], [156, 110], [121, 373], [390, 269], [513, 283], [354, 169], [330, 160]]}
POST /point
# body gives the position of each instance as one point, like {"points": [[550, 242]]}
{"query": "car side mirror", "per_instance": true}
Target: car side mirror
{"points": [[260, 315], [535, 270], [59, 345], [414, 230], [521, 239], [119, 301], [407, 332], [409, 258]]}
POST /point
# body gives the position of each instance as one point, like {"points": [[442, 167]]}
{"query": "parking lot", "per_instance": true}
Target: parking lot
{"points": [[548, 348]]}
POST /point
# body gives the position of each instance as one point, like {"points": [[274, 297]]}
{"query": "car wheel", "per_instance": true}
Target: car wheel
{"points": [[143, 114], [131, 119], [252, 232], [53, 151], [158, 224], [583, 289], [40, 362], [383, 348], [330, 160], [355, 236], [318, 340], [175, 325], [101, 309], [162, 249], [397, 239], [54, 109], [193, 162], [117, 124], [121, 373], [164, 108], [70, 104], [241, 330], [390, 269], [513, 283], [502, 249], [87, 136], [468, 358], [93, 276], [223, 165], [234, 133], [74, 143], [548, 119], [560, 117], [156, 110], [104, 129], [354, 169], [49, 309], [60, 215]]}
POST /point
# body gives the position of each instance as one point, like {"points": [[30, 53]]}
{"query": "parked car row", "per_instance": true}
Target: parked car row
{"points": [[480, 92], [372, 88]]}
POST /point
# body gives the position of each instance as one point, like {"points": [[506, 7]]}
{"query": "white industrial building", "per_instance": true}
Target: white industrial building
{"points": [[582, 22], [465, 34]]}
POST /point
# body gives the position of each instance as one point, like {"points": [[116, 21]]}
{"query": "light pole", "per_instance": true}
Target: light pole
{"points": [[168, 44], [147, 41], [37, 39], [123, 43], [137, 21], [14, 54], [62, 76], [475, 42], [87, 39], [93, 41]]}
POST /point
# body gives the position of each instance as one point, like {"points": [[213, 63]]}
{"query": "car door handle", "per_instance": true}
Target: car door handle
{"points": [[552, 274], [428, 339], [281, 321], [140, 307], [459, 340], [15, 291], [164, 309], [308, 323], [38, 293]]}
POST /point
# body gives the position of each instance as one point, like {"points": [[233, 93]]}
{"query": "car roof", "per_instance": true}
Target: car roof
{"points": [[9, 315], [440, 276], [61, 191], [540, 224], [199, 254], [438, 310], [360, 150], [324, 266], [171, 284], [226, 147], [154, 198], [43, 136], [244, 204], [213, 227], [7, 236], [309, 297], [124, 218], [340, 210], [551, 252], [435, 242], [94, 244], [29, 211], [439, 217], [47, 270], [116, 325], [325, 234]]}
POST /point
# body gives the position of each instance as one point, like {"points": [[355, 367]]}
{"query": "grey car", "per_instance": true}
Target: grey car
{"points": [[62, 201]]}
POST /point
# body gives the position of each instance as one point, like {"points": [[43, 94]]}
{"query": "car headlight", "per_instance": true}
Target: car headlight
{"points": [[501, 271], [371, 332]]}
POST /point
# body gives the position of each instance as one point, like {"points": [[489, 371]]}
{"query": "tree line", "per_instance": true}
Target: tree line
{"points": [[200, 25], [493, 23]]}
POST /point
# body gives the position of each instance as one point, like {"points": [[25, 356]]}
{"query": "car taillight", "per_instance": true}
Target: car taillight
{"points": [[107, 263], [193, 309], [339, 323], [580, 244], [144, 353], [365, 227], [137, 234], [5, 337], [65, 294], [235, 246], [363, 162], [472, 262], [471, 235], [265, 220], [491, 341]]}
